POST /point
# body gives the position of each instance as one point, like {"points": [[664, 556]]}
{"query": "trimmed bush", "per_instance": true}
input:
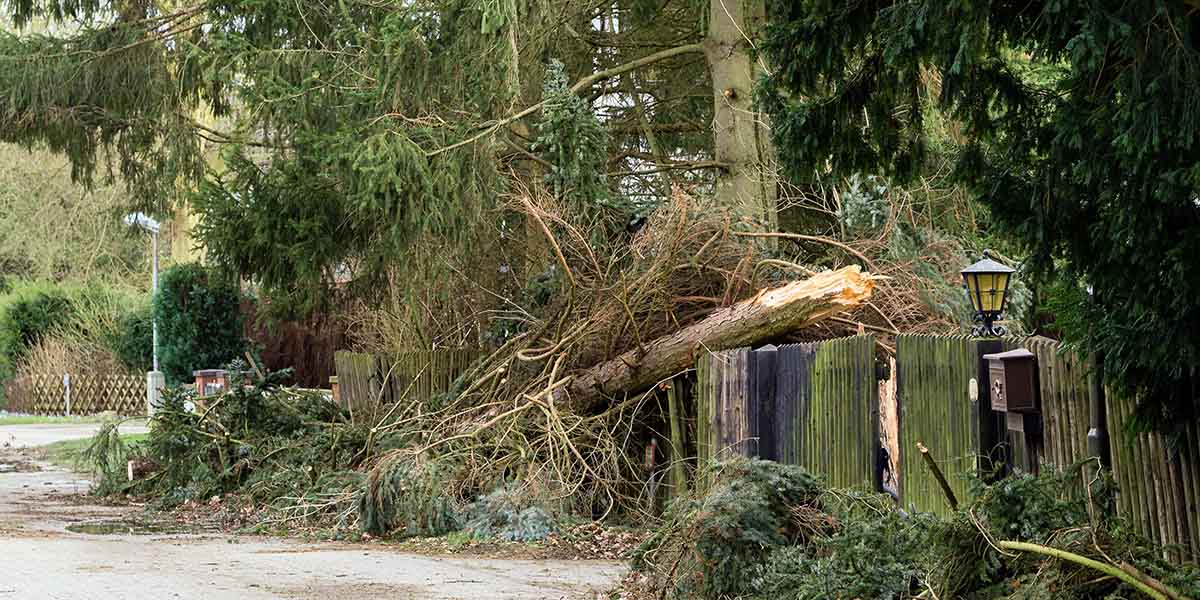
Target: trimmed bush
{"points": [[199, 322]]}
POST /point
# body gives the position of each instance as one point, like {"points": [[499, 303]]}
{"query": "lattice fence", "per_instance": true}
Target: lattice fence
{"points": [[44, 394]]}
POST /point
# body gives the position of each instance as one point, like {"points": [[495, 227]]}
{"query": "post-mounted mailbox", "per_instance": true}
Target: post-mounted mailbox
{"points": [[210, 382], [1012, 381]]}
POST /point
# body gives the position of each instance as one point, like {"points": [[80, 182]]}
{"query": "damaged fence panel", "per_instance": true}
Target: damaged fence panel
{"points": [[1158, 482], [815, 405]]}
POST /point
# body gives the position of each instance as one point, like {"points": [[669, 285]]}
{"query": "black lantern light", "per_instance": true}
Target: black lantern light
{"points": [[987, 285]]}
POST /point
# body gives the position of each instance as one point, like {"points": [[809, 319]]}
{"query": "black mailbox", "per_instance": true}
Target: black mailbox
{"points": [[1012, 381]]}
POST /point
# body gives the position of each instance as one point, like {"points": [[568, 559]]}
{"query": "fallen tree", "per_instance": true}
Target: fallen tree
{"points": [[769, 313]]}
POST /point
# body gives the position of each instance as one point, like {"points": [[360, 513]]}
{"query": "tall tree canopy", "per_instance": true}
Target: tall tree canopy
{"points": [[1079, 126], [358, 137], [54, 230]]}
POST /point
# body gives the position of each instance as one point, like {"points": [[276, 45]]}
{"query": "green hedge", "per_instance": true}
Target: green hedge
{"points": [[29, 311], [133, 339], [115, 319], [199, 321]]}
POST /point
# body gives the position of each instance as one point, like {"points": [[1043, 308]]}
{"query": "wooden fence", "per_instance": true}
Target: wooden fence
{"points": [[932, 378], [1158, 485], [44, 394], [814, 405], [369, 384]]}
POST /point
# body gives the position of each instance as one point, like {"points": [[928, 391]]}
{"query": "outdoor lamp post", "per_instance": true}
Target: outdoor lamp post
{"points": [[154, 379], [987, 285]]}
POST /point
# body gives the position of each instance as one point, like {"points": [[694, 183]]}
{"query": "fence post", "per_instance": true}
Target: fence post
{"points": [[991, 425], [1098, 433], [678, 473], [763, 399], [67, 392]]}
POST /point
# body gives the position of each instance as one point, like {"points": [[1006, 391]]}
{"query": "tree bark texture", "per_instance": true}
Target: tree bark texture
{"points": [[770, 313], [741, 136]]}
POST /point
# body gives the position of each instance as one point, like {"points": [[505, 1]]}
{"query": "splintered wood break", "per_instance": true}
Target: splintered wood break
{"points": [[768, 314]]}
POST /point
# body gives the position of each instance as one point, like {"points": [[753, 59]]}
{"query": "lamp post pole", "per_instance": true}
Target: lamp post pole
{"points": [[155, 381], [154, 291]]}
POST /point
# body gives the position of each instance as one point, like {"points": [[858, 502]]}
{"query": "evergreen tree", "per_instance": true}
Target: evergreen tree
{"points": [[358, 139], [1079, 126]]}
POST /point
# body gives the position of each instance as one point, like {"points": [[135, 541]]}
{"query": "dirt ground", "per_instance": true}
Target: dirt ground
{"points": [[40, 558]]}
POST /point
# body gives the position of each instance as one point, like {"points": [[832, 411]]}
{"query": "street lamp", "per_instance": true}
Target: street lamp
{"points": [[986, 283], [146, 223]]}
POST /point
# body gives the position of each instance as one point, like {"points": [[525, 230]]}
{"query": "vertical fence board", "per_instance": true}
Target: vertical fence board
{"points": [[371, 385], [933, 375]]}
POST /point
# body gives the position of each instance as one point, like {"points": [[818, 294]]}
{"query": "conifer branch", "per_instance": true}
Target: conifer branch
{"points": [[582, 84]]}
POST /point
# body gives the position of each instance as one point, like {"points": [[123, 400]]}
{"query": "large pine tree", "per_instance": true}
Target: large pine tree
{"points": [[320, 138]]}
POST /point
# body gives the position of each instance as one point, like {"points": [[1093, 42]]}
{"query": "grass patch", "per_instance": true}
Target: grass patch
{"points": [[66, 454], [48, 420]]}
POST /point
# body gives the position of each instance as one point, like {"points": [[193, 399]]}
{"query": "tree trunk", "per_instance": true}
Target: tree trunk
{"points": [[770, 313], [741, 137]]}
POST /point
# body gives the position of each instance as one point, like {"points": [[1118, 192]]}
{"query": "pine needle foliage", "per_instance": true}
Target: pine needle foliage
{"points": [[272, 445], [357, 143], [407, 495], [105, 457], [1078, 125], [508, 513], [745, 539], [710, 544], [573, 142], [125, 111]]}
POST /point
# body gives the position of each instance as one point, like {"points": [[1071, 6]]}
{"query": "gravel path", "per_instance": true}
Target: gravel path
{"points": [[41, 559]]}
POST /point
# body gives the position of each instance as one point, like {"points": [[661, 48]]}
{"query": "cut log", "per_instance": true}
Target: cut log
{"points": [[770, 313], [140, 467]]}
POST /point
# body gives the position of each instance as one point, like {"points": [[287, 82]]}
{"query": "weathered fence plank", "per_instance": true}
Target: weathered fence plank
{"points": [[370, 385], [815, 405], [933, 377]]}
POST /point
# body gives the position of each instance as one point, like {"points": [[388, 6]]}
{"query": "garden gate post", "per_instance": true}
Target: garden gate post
{"points": [[991, 452]]}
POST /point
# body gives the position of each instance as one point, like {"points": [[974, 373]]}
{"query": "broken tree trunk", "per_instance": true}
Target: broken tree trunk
{"points": [[770, 313]]}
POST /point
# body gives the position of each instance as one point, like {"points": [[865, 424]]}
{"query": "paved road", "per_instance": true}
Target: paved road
{"points": [[40, 559], [29, 436]]}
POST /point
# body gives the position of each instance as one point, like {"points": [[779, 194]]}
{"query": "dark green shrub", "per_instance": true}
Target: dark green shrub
{"points": [[27, 313], [711, 546], [132, 340], [199, 321]]}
